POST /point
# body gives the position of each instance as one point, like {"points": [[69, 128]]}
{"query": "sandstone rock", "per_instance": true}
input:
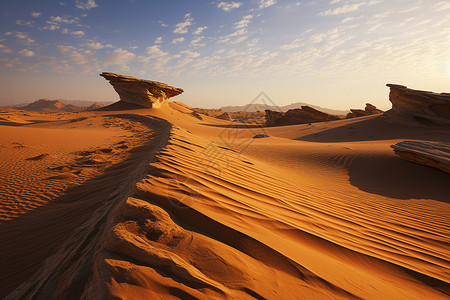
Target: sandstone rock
{"points": [[372, 109], [225, 116], [414, 104], [146, 93], [368, 110], [433, 154], [297, 116]]}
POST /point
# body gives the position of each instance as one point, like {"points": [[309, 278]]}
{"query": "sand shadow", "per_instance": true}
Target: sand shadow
{"points": [[394, 177], [378, 128]]}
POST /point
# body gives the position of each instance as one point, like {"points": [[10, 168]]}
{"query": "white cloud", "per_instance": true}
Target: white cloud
{"points": [[24, 37], [190, 54], [67, 31], [199, 30], [342, 9], [347, 20], [196, 42], [58, 19], [78, 32], [86, 5], [335, 1], [443, 5], [244, 22], [4, 49], [227, 38], [22, 22], [317, 38], [181, 28], [35, 14], [297, 43], [227, 6], [155, 52], [158, 40], [266, 3], [239, 40], [26, 53], [119, 56], [97, 45], [178, 40]]}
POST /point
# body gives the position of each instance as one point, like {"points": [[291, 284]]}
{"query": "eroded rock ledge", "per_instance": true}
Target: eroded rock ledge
{"points": [[408, 104], [142, 92], [432, 154]]}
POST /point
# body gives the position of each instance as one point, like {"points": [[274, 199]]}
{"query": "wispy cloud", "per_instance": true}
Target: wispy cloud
{"points": [[199, 30], [177, 40], [35, 14], [227, 6], [342, 9], [85, 5], [26, 53], [266, 3], [181, 28], [244, 22]]}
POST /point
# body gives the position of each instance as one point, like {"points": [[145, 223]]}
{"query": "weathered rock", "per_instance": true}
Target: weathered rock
{"points": [[225, 116], [368, 110], [372, 109], [297, 116], [414, 104], [146, 93], [433, 154]]}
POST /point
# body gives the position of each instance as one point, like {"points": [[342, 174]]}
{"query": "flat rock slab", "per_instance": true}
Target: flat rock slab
{"points": [[433, 154]]}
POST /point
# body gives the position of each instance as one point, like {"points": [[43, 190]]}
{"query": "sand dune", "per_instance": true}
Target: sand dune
{"points": [[179, 207]]}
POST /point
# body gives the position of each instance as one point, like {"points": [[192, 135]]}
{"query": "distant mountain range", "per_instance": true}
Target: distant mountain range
{"points": [[48, 105], [263, 107]]}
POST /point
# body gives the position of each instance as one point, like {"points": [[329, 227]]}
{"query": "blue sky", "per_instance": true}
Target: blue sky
{"points": [[333, 53]]}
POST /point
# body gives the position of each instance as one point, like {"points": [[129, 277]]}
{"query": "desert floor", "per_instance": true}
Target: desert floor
{"points": [[157, 204]]}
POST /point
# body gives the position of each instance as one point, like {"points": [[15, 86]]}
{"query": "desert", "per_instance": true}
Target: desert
{"points": [[148, 153]]}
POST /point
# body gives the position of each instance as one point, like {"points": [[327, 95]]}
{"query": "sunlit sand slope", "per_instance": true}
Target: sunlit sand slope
{"points": [[189, 216]]}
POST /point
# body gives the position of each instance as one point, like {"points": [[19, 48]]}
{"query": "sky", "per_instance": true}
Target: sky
{"points": [[332, 53]]}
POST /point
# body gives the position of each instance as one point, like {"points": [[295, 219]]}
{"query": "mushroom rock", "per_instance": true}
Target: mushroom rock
{"points": [[297, 116], [409, 104], [142, 92], [432, 154]]}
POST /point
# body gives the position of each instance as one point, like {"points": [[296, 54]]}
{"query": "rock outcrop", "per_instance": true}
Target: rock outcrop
{"points": [[142, 92], [47, 105], [225, 116], [433, 154], [414, 104], [368, 110], [297, 116]]}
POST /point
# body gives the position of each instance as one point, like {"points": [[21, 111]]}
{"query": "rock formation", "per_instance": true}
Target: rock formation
{"points": [[368, 110], [47, 105], [146, 93], [414, 104], [433, 154], [225, 116], [297, 116]]}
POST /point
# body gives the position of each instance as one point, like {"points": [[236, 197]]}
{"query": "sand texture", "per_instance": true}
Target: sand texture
{"points": [[127, 203]]}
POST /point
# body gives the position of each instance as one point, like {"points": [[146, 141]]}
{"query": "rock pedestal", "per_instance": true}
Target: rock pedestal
{"points": [[142, 92]]}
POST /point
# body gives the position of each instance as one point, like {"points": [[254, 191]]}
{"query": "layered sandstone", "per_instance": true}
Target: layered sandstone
{"points": [[432, 154], [414, 104], [142, 92], [297, 116], [368, 110]]}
